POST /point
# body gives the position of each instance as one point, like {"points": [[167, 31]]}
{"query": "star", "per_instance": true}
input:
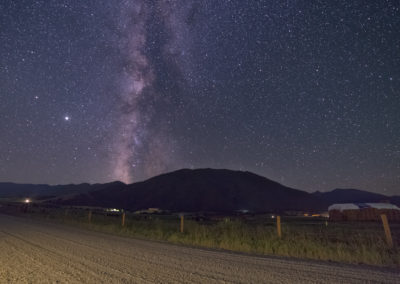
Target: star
{"points": [[304, 92]]}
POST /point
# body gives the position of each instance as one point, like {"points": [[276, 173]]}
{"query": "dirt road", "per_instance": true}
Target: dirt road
{"points": [[38, 252]]}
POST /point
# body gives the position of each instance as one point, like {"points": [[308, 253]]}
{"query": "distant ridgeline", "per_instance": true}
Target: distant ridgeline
{"points": [[199, 190]]}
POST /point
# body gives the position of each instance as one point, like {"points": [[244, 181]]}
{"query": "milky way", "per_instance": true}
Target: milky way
{"points": [[136, 81], [305, 93], [138, 149]]}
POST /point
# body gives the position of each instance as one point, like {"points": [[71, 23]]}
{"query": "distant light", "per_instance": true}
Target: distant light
{"points": [[67, 118], [273, 216], [113, 210], [27, 200]]}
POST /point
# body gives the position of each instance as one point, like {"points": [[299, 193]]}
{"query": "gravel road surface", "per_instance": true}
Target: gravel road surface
{"points": [[33, 251]]}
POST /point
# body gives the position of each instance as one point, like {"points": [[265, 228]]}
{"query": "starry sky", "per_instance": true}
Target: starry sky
{"points": [[306, 93]]}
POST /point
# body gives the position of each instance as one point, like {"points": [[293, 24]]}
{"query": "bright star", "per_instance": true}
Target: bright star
{"points": [[67, 118]]}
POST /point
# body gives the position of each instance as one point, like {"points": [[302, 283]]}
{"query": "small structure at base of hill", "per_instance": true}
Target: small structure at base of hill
{"points": [[363, 212]]}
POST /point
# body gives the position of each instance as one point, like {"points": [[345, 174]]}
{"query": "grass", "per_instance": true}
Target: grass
{"points": [[302, 238]]}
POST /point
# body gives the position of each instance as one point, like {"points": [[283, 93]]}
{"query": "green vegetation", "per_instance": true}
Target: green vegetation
{"points": [[301, 237]]}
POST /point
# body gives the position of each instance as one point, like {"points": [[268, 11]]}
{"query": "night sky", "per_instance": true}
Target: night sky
{"points": [[306, 93]]}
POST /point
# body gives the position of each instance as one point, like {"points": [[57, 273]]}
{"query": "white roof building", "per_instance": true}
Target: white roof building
{"points": [[357, 206]]}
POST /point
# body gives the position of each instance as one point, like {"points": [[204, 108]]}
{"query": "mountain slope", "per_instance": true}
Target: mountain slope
{"points": [[193, 191], [45, 191], [202, 190], [351, 195]]}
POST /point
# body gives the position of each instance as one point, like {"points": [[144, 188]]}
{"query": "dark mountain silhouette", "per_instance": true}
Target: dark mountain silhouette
{"points": [[340, 195], [395, 200], [45, 191], [193, 191], [201, 190]]}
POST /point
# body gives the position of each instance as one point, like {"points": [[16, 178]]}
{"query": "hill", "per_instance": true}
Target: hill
{"points": [[193, 191], [354, 195], [202, 190], [44, 191]]}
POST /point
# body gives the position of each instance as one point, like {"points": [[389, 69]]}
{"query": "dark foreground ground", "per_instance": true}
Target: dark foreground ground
{"points": [[38, 252]]}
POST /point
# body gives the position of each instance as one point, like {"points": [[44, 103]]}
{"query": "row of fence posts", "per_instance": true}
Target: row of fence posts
{"points": [[90, 217], [124, 216], [385, 223]]}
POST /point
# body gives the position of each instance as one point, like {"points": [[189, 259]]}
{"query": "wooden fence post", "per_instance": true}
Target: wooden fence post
{"points": [[123, 219], [182, 220], [278, 226], [90, 216], [386, 227]]}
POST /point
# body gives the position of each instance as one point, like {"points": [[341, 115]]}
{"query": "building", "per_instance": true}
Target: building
{"points": [[363, 212]]}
